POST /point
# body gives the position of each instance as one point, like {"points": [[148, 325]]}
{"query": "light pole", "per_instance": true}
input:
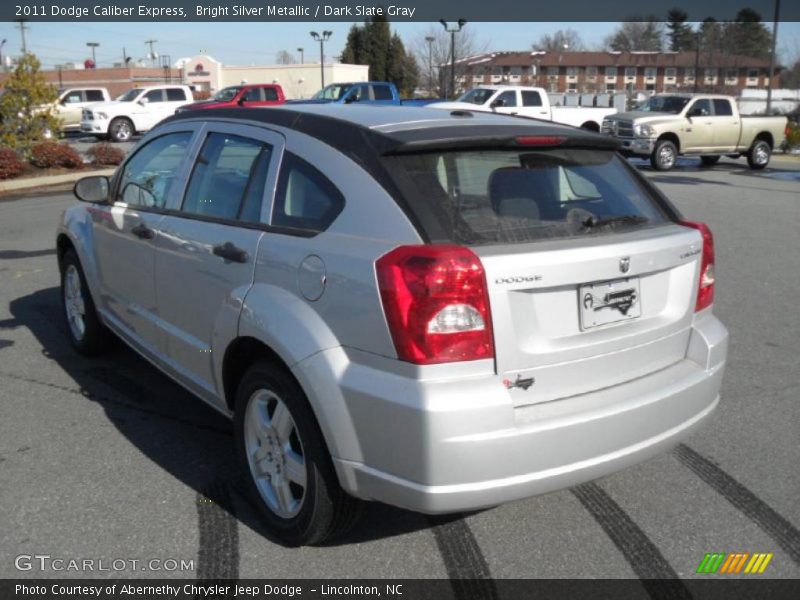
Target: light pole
{"points": [[430, 39], [302, 59], [772, 55], [153, 54], [452, 31], [324, 37], [93, 46]]}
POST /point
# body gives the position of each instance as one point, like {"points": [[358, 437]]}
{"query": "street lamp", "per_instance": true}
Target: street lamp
{"points": [[93, 45], [302, 60], [321, 39], [453, 31], [430, 39]]}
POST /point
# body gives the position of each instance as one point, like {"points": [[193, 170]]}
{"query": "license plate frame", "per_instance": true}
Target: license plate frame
{"points": [[608, 302]]}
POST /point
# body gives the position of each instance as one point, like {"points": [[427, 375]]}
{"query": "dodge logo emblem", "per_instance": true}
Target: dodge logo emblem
{"points": [[625, 264]]}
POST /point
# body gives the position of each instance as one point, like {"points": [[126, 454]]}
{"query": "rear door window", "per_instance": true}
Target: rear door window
{"points": [[175, 95], [305, 199], [722, 107], [483, 197], [94, 96], [530, 98], [270, 94], [382, 92]]}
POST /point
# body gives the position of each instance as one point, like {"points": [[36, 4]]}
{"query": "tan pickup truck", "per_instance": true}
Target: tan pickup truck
{"points": [[708, 126]]}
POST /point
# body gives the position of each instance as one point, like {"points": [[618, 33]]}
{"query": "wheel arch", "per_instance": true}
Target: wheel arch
{"points": [[671, 137], [591, 126], [765, 136]]}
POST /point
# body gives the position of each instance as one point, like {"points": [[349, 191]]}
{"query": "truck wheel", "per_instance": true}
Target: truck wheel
{"points": [[86, 333], [287, 467], [759, 155], [709, 161], [121, 129], [664, 155]]}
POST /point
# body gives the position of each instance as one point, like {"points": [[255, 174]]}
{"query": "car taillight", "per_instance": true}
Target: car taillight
{"points": [[705, 293], [436, 304]]}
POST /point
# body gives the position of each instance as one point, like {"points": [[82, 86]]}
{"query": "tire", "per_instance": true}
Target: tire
{"points": [[287, 467], [86, 333], [121, 129], [709, 161], [664, 155], [759, 155]]}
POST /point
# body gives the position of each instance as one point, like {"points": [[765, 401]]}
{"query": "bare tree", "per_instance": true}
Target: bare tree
{"points": [[563, 39], [433, 57], [284, 58], [637, 34]]}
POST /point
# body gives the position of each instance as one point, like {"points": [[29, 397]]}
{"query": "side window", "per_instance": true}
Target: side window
{"points": [[506, 99], [155, 96], [73, 98], [701, 108], [94, 96], [722, 107], [530, 98], [361, 93], [305, 199], [228, 178], [382, 92], [252, 95], [147, 177], [175, 95], [270, 94]]}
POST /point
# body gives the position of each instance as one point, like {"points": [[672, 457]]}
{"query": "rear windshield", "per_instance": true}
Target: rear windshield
{"points": [[480, 197]]}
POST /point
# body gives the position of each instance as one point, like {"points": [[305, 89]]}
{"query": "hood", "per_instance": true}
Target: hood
{"points": [[208, 104], [641, 116], [456, 106], [100, 106]]}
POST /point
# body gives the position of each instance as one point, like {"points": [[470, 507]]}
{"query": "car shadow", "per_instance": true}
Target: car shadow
{"points": [[173, 428]]}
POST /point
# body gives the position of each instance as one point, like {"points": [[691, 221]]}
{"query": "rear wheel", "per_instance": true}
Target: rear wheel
{"points": [[121, 129], [288, 469], [709, 161], [664, 155], [759, 155], [86, 333]]}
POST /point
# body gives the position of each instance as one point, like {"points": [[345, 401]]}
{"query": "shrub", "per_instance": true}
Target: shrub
{"points": [[105, 154], [11, 164], [793, 135], [47, 155]]}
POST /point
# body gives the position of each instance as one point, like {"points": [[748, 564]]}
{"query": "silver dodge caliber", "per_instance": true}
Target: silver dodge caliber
{"points": [[440, 311]]}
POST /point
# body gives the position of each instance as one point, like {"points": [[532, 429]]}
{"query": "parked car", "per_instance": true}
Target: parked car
{"points": [[364, 92], [703, 125], [526, 101], [71, 102], [257, 94], [136, 111], [438, 311]]}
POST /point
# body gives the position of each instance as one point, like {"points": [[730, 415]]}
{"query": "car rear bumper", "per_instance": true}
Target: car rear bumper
{"points": [[447, 446]]}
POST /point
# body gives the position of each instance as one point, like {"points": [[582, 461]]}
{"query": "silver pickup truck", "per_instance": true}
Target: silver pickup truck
{"points": [[708, 126]]}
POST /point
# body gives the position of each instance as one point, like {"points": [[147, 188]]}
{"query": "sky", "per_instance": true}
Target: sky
{"points": [[259, 43]]}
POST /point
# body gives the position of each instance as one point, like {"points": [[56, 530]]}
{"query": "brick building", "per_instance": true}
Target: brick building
{"points": [[117, 79], [594, 72]]}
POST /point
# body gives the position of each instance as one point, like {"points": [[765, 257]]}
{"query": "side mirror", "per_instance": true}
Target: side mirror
{"points": [[240, 101], [143, 101], [93, 189], [498, 103], [350, 99]]}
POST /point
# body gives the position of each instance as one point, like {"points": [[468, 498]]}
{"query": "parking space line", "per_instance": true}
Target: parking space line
{"points": [[658, 578], [768, 520]]}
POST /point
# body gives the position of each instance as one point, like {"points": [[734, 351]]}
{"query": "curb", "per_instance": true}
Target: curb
{"points": [[14, 185]]}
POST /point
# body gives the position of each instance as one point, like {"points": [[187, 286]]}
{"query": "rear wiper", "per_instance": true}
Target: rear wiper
{"points": [[593, 222]]}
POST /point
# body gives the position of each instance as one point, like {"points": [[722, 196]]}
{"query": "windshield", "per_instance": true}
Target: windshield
{"points": [[332, 92], [665, 104], [491, 197], [130, 95], [227, 94], [477, 96]]}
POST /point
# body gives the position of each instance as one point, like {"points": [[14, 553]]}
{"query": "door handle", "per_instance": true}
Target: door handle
{"points": [[143, 231], [230, 252]]}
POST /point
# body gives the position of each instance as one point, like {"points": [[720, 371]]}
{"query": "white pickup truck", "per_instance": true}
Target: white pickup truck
{"points": [[526, 102], [135, 111], [71, 101]]}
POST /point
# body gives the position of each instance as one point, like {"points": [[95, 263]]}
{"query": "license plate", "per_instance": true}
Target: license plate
{"points": [[607, 302]]}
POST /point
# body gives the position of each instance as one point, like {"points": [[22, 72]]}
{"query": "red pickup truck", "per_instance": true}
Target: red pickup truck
{"points": [[256, 94]]}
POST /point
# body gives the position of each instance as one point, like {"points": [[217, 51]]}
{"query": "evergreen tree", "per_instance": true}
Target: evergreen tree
{"points": [[747, 35], [681, 37]]}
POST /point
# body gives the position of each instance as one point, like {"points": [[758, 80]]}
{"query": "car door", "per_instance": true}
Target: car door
{"points": [[725, 125], [697, 133], [532, 105], [175, 98], [506, 103], [126, 230], [253, 97], [207, 247], [150, 109], [70, 109], [382, 94]]}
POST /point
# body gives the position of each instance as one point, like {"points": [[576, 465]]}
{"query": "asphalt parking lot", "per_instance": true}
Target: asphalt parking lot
{"points": [[108, 459]]}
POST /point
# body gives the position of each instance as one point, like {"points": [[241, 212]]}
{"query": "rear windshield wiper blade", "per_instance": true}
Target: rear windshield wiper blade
{"points": [[594, 222]]}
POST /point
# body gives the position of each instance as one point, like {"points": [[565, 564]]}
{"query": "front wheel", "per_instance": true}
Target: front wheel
{"points": [[664, 155], [121, 129], [288, 469], [759, 155]]}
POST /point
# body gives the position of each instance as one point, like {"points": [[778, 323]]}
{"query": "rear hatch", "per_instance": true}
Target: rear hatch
{"points": [[591, 281]]}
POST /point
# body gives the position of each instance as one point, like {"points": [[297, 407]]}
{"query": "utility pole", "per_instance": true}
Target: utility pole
{"points": [[696, 60], [430, 39], [452, 31], [302, 57], [22, 28], [772, 55], [153, 55], [321, 38], [93, 46]]}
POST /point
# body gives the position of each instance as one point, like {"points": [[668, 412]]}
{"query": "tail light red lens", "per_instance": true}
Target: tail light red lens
{"points": [[705, 292], [436, 304]]}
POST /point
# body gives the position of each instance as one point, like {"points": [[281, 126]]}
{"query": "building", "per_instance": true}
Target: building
{"points": [[596, 72], [116, 79]]}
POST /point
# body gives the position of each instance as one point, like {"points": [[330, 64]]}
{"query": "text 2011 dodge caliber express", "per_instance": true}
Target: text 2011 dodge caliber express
{"points": [[438, 310]]}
